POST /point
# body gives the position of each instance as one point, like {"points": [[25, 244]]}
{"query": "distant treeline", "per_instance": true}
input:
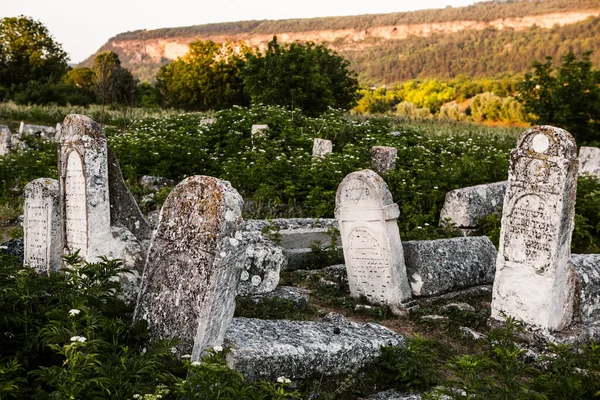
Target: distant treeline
{"points": [[481, 11], [484, 53]]}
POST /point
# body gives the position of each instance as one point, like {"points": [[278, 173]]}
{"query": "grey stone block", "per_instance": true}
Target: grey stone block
{"points": [[465, 207], [267, 349], [435, 267]]}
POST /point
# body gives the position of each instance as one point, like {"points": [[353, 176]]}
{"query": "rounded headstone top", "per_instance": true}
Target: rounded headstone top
{"points": [[77, 125], [549, 141], [46, 186], [361, 189]]}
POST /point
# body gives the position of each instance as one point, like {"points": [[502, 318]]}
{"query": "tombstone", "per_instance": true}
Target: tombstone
{"points": [[589, 160], [383, 158], [41, 225], [5, 140], [373, 251], [259, 131], [262, 262], [534, 280], [321, 147], [97, 216], [194, 264], [464, 208], [207, 121], [46, 132]]}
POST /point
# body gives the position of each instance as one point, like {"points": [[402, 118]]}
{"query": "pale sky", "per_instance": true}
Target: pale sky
{"points": [[83, 26]]}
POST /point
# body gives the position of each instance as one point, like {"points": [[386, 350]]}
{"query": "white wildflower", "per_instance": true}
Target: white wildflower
{"points": [[81, 339], [218, 349], [283, 379], [186, 356], [74, 312], [195, 363]]}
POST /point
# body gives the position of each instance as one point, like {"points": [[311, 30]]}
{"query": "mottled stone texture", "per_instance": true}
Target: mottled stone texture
{"points": [[262, 261], [13, 248], [41, 225], [534, 280], [47, 132], [86, 178], [464, 207], [373, 252], [321, 147], [123, 207], [267, 349], [155, 183], [383, 158], [298, 297], [587, 268], [289, 223], [194, 264], [589, 160], [259, 130], [435, 267], [5, 140]]}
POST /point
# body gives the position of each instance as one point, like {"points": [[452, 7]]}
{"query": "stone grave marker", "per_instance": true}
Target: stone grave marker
{"points": [[589, 160], [194, 264], [259, 131], [383, 158], [534, 280], [41, 225], [373, 251], [98, 215], [321, 147], [5, 140]]}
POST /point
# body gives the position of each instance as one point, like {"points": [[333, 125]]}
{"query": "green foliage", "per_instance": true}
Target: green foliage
{"points": [[306, 76], [568, 97], [28, 53], [325, 255], [206, 78]]}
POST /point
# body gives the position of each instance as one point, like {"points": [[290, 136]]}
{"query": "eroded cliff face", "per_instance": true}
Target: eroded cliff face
{"points": [[342, 39]]}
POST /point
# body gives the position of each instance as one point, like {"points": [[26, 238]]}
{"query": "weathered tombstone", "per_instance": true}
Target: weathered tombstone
{"points": [[464, 208], [534, 280], [321, 147], [41, 225], [373, 252], [259, 131], [589, 160], [207, 121], [194, 264], [95, 209], [5, 140], [383, 158], [262, 262]]}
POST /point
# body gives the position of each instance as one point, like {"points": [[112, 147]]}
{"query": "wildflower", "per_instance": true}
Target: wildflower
{"points": [[218, 349], [195, 363], [283, 379], [74, 312], [81, 339], [186, 356]]}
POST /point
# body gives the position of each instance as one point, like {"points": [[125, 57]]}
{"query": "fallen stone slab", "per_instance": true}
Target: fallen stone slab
{"points": [[302, 238], [391, 394], [298, 297], [289, 223], [267, 349], [464, 207], [435, 267], [47, 132]]}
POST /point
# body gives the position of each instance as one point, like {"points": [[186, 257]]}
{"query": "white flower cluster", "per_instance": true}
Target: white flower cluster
{"points": [[74, 312], [80, 339], [283, 379]]}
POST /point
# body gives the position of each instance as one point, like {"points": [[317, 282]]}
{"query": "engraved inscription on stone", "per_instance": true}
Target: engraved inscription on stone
{"points": [[529, 234], [75, 206], [357, 193], [369, 263], [38, 235]]}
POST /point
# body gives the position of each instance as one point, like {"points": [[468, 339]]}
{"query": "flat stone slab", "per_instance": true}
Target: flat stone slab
{"points": [[289, 223], [465, 207], [295, 295], [302, 238], [435, 267], [268, 349]]}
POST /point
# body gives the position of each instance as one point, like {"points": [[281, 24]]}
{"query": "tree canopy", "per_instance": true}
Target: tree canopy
{"points": [[207, 77], [300, 75], [28, 53], [567, 97]]}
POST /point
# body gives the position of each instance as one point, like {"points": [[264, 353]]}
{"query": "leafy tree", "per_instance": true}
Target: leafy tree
{"points": [[207, 77], [82, 77], [568, 97], [28, 53], [306, 76]]}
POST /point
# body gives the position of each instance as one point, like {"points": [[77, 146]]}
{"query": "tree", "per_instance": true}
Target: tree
{"points": [[28, 53], [568, 97], [306, 76], [206, 78]]}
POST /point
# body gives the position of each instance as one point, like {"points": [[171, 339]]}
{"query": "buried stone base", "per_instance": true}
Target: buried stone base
{"points": [[267, 349]]}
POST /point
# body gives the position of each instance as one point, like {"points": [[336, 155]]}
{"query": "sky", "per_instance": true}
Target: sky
{"points": [[83, 26]]}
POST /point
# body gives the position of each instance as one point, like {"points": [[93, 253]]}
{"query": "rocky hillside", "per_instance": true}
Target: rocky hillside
{"points": [[485, 39]]}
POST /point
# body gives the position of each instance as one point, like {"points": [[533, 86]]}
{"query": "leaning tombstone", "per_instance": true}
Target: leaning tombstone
{"points": [[383, 158], [41, 225], [194, 264], [321, 147], [94, 221], [373, 251], [5, 140], [589, 160], [534, 281]]}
